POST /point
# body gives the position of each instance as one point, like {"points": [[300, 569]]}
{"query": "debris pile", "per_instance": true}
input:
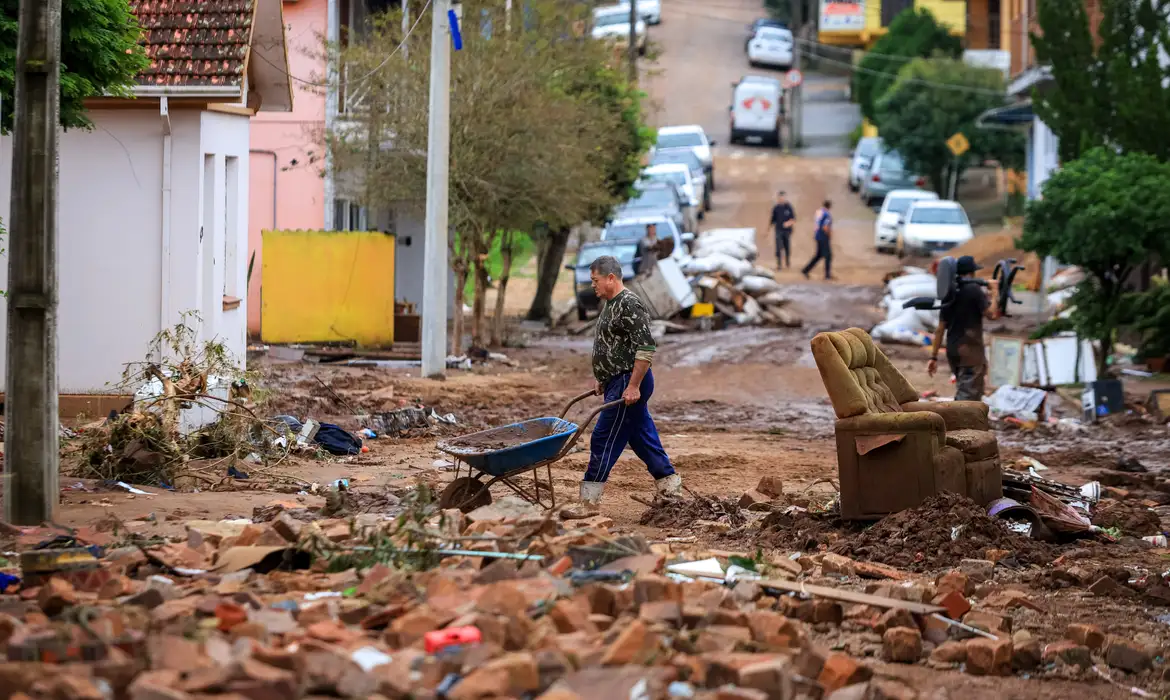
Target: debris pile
{"points": [[437, 603], [724, 275]]}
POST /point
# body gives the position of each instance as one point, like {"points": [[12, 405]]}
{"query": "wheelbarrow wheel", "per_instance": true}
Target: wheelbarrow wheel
{"points": [[466, 494]]}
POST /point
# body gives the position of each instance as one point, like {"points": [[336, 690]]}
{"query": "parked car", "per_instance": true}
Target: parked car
{"points": [[655, 198], [634, 228], [688, 158], [626, 251], [886, 174], [773, 47], [612, 23], [933, 226], [650, 11], [756, 109], [897, 203], [690, 136], [861, 158], [759, 24], [679, 175]]}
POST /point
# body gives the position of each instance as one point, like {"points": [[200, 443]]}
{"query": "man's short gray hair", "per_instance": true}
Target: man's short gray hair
{"points": [[606, 265]]}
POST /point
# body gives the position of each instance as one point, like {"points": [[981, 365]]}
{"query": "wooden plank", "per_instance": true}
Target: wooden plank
{"points": [[851, 596]]}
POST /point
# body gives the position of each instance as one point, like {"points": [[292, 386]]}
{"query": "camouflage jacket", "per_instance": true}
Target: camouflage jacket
{"points": [[622, 336]]}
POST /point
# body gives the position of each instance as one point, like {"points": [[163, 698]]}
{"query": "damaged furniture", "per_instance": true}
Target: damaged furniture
{"points": [[894, 451]]}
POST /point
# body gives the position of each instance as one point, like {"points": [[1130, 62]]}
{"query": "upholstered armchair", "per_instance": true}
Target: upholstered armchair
{"points": [[894, 451]]}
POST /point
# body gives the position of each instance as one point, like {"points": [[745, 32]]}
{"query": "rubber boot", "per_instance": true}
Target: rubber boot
{"points": [[590, 504], [669, 485]]}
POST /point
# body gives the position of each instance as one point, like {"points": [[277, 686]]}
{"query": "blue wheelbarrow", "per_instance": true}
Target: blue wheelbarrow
{"points": [[499, 455]]}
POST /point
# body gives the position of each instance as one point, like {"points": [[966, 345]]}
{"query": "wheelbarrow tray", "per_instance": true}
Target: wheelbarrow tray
{"points": [[511, 448]]}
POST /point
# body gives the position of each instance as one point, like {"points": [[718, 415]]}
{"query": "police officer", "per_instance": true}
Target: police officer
{"points": [[961, 323], [783, 220]]}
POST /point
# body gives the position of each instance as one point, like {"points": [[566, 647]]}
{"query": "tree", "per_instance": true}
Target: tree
{"points": [[100, 55], [914, 33], [918, 115], [1108, 213], [524, 149], [620, 160], [1107, 89]]}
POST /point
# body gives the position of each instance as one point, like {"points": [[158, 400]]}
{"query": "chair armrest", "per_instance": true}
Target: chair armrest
{"points": [[893, 423], [959, 415]]}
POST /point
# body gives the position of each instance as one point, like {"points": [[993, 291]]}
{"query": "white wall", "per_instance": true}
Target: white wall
{"points": [[110, 252]]}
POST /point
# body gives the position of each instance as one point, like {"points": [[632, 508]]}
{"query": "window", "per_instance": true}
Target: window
{"points": [[654, 197], [867, 148], [891, 162], [611, 19], [938, 215], [624, 253], [900, 205], [686, 139], [349, 216]]}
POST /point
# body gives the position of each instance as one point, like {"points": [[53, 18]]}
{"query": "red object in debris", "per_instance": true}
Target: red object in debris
{"points": [[456, 636], [365, 449], [230, 615]]}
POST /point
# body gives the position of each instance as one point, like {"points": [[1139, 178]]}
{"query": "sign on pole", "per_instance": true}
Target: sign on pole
{"points": [[958, 144], [793, 78]]}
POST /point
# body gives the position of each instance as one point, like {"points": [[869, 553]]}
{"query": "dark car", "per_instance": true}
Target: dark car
{"points": [[626, 251]]}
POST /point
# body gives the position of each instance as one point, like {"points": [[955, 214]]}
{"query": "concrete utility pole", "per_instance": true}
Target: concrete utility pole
{"points": [[435, 266], [31, 429], [796, 120], [632, 49]]}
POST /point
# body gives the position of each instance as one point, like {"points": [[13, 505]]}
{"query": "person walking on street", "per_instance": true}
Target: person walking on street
{"points": [[961, 322], [623, 350], [783, 220], [823, 235]]}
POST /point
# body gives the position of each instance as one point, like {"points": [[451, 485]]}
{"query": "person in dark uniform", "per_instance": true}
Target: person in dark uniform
{"points": [[962, 324], [783, 220], [824, 247]]}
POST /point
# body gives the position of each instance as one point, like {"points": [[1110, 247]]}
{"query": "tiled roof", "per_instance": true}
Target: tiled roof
{"points": [[194, 43]]}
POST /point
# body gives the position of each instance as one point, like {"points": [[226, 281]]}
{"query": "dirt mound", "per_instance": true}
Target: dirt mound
{"points": [[803, 532], [989, 248], [683, 512], [941, 532], [1129, 517]]}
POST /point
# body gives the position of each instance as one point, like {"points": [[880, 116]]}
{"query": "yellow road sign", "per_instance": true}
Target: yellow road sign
{"points": [[958, 144]]}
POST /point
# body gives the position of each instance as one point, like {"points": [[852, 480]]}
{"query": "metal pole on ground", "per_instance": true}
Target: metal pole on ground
{"points": [[31, 428], [435, 266], [632, 49]]}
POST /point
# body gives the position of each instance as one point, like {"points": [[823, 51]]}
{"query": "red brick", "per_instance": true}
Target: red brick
{"points": [[989, 657], [841, 670], [902, 644]]}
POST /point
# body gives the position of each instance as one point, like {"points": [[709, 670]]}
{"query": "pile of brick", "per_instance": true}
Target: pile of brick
{"points": [[598, 617]]}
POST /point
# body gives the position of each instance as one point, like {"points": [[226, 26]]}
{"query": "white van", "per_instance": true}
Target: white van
{"points": [[756, 109]]}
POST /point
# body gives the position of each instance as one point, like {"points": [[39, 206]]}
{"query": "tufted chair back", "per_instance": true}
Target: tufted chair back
{"points": [[858, 376]]}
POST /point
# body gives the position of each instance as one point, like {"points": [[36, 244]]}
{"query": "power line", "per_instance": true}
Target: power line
{"points": [[368, 75], [916, 81]]}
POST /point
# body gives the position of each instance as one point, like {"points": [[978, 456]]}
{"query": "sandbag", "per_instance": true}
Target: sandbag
{"points": [[910, 281], [756, 285], [773, 298], [717, 262], [742, 235], [908, 318], [762, 272], [735, 249], [909, 291]]}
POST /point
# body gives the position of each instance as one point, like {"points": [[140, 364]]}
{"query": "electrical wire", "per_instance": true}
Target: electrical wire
{"points": [[367, 76]]}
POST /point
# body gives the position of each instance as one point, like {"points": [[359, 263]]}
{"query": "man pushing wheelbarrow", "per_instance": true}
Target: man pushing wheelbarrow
{"points": [[622, 352]]}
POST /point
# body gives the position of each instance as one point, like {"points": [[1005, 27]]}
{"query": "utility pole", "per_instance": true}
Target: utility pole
{"points": [[435, 266], [31, 430], [796, 121], [632, 49]]}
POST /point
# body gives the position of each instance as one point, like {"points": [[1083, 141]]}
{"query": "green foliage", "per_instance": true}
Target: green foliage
{"points": [[100, 55], [522, 248], [1111, 92], [1150, 313], [912, 34], [917, 118], [1052, 327], [1108, 213]]}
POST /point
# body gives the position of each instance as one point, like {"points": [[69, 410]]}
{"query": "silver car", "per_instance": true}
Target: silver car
{"points": [[888, 173]]}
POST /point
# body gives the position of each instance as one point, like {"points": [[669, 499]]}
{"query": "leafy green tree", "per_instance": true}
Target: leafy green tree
{"points": [[620, 159], [100, 55], [1108, 213], [1107, 89], [914, 33], [917, 116]]}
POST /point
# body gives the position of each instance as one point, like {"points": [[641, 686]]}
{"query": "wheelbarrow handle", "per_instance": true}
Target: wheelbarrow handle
{"points": [[577, 435], [582, 397]]}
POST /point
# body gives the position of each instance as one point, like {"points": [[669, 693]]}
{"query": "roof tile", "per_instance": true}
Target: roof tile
{"points": [[194, 43]]}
